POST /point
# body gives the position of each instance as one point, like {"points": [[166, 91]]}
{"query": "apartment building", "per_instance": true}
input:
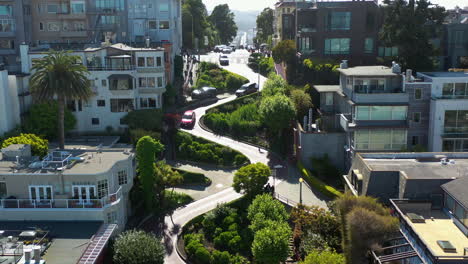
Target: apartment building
{"points": [[331, 30], [453, 42], [85, 182], [15, 28], [427, 192], [9, 102], [122, 78]]}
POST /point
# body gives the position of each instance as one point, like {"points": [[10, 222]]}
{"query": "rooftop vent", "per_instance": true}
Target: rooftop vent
{"points": [[446, 246], [415, 218], [396, 67], [344, 64]]}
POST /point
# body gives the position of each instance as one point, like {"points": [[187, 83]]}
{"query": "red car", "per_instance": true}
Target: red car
{"points": [[188, 119]]}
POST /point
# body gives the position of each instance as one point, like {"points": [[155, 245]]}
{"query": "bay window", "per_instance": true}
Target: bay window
{"points": [[456, 121], [381, 112], [337, 46], [380, 139]]}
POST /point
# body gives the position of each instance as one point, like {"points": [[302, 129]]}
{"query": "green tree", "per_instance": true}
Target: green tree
{"points": [[147, 119], [364, 223], [277, 112], [194, 22], [265, 22], [42, 120], [422, 21], [302, 102], [146, 150], [285, 51], [265, 208], [271, 244], [39, 146], [324, 257], [138, 247], [274, 85], [60, 75], [251, 178], [223, 20]]}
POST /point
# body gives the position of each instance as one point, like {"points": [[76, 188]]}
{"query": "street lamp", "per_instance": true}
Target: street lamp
{"points": [[300, 190]]}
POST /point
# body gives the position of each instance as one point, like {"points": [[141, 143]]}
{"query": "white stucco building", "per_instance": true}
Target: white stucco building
{"points": [[9, 102], [122, 78]]}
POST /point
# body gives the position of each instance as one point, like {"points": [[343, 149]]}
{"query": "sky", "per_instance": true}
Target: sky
{"points": [[246, 5]]}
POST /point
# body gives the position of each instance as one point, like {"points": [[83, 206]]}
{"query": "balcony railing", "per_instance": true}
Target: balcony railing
{"points": [[455, 130], [61, 203], [112, 68]]}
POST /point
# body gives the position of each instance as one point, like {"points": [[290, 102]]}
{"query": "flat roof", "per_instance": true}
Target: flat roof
{"points": [[368, 71], [69, 239], [327, 88], [446, 74], [458, 189], [419, 165], [437, 227]]}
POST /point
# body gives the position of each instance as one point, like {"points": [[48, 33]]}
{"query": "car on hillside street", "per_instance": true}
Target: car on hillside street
{"points": [[188, 119], [205, 92], [219, 48], [227, 50], [223, 60], [246, 89]]}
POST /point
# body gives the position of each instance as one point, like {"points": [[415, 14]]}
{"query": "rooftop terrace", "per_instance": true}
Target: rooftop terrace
{"points": [[368, 71]]}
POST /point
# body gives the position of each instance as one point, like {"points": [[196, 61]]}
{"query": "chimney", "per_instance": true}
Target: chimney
{"points": [[147, 41], [409, 75], [37, 254], [396, 68], [24, 55], [27, 255], [344, 64]]}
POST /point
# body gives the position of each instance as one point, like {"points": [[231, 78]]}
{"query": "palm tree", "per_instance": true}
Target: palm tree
{"points": [[60, 75]]}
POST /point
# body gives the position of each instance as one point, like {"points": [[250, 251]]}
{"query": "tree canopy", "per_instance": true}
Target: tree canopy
{"points": [[285, 51], [194, 22], [251, 178], [138, 247], [271, 244], [324, 257], [277, 112], [302, 101], [223, 20], [409, 26], [265, 209], [275, 84], [265, 25]]}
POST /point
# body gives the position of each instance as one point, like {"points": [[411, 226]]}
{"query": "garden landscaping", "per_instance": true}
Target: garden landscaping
{"points": [[260, 63], [197, 149], [210, 74], [193, 178]]}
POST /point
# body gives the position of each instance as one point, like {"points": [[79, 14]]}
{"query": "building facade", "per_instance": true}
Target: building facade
{"points": [[9, 102], [91, 184], [122, 78]]}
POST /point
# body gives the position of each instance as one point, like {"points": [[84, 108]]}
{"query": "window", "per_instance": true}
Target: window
{"points": [[380, 139], [158, 61], [449, 202], [40, 192], [456, 121], [152, 24], [381, 112], [459, 37], [388, 51], [417, 117], [149, 62], [368, 45], [78, 8], [328, 98], [121, 105], [163, 24], [7, 44], [53, 26], [306, 44], [163, 7], [110, 5], [102, 190], [455, 145], [141, 62], [104, 83], [337, 46], [95, 121], [459, 211], [110, 20], [160, 81], [146, 82], [415, 140], [147, 103], [121, 83], [3, 190], [122, 176], [7, 25], [41, 26], [339, 21], [418, 94], [84, 192], [455, 90], [5, 10], [52, 8], [370, 86], [80, 26]]}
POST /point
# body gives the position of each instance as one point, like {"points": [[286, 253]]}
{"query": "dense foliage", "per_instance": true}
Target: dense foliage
{"points": [[197, 149], [318, 184], [39, 146], [302, 102], [210, 74], [42, 119], [265, 21], [277, 112], [264, 210], [244, 121], [274, 85], [147, 119], [324, 257], [422, 21], [138, 247], [251, 178], [261, 63], [190, 177], [223, 20], [320, 73]]}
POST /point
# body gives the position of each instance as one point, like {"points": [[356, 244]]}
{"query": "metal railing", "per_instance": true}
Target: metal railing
{"points": [[112, 68], [61, 203]]}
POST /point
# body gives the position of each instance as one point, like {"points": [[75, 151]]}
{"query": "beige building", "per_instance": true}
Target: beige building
{"points": [[59, 21], [85, 182]]}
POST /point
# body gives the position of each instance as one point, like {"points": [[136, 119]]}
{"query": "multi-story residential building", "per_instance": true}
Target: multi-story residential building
{"points": [[82, 183], [9, 102], [427, 192], [331, 30], [123, 79], [15, 28]]}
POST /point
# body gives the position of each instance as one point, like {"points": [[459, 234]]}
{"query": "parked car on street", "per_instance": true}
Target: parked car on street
{"points": [[246, 89], [205, 92], [233, 47], [227, 50], [223, 60], [188, 119], [219, 48]]}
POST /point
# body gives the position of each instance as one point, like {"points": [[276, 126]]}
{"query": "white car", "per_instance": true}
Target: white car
{"points": [[227, 50]]}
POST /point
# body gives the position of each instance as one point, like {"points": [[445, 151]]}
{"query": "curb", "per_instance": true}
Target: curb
{"points": [[195, 163], [178, 250]]}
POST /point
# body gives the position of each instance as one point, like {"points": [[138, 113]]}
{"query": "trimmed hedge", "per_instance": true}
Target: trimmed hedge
{"points": [[235, 104], [197, 149], [193, 177], [210, 74], [267, 64], [317, 183]]}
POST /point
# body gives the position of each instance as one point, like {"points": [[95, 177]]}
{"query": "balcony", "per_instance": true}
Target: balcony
{"points": [[384, 98], [72, 16], [346, 122], [112, 68], [64, 204], [454, 131], [160, 69]]}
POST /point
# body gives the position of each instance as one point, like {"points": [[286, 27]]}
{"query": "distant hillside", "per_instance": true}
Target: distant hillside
{"points": [[246, 20]]}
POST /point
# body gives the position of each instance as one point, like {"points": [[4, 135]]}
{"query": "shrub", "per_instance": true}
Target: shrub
{"points": [[147, 119], [274, 85], [324, 257], [42, 119], [271, 244], [235, 81], [221, 257], [202, 256], [39, 146], [265, 208], [138, 247], [229, 240], [136, 134], [317, 183], [211, 74], [251, 178], [302, 101], [193, 177], [277, 112]]}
